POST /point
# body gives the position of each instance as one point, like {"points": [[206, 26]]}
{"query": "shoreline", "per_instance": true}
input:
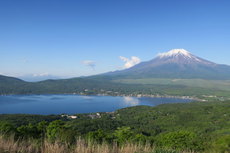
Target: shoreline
{"points": [[116, 95]]}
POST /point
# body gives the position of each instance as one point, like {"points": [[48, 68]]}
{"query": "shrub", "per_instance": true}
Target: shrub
{"points": [[180, 140], [222, 144], [54, 129], [6, 127], [123, 134]]}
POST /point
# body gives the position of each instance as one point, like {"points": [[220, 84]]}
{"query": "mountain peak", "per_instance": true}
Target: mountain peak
{"points": [[176, 63], [181, 57], [175, 52]]}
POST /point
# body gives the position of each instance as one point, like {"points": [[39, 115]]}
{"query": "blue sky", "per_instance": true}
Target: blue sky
{"points": [[84, 37]]}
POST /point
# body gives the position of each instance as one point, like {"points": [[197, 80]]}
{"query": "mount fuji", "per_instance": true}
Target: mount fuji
{"points": [[177, 63], [177, 72]]}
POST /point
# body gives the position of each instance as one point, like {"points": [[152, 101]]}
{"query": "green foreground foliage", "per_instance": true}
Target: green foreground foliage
{"points": [[196, 126]]}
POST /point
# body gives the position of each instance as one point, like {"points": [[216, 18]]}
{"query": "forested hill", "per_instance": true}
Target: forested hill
{"points": [[9, 85], [191, 127], [104, 85], [11, 80]]}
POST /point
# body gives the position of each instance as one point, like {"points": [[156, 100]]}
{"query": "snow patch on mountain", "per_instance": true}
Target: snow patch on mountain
{"points": [[180, 56], [175, 52]]}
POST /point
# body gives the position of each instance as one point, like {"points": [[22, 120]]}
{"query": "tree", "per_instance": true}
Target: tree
{"points": [[222, 144], [180, 140], [27, 131], [41, 126], [99, 136], [140, 138], [53, 129], [6, 127], [123, 134]]}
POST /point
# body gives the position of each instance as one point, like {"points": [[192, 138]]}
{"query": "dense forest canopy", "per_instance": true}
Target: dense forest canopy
{"points": [[197, 126]]}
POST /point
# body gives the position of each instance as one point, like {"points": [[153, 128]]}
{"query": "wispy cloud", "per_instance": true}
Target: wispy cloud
{"points": [[24, 60], [38, 77], [41, 75], [130, 62], [89, 63]]}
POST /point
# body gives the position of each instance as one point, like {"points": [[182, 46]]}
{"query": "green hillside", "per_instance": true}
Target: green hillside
{"points": [[195, 126], [199, 88], [209, 84]]}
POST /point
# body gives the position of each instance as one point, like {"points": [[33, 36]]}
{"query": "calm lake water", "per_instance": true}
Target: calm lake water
{"points": [[71, 104]]}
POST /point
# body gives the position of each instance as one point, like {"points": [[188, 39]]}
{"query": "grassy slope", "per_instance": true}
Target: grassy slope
{"points": [[197, 87], [209, 84]]}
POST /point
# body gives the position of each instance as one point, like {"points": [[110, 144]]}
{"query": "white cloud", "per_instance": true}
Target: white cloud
{"points": [[89, 63], [37, 77], [41, 75], [130, 62], [7, 74]]}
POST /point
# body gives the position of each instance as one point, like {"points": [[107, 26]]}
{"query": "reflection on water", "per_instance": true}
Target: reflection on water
{"points": [[87, 97], [131, 101], [56, 98]]}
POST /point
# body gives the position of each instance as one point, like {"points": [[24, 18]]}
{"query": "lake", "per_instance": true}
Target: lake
{"points": [[71, 104]]}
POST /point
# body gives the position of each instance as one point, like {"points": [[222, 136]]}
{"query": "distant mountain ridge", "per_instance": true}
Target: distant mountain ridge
{"points": [[8, 79], [154, 77], [177, 63]]}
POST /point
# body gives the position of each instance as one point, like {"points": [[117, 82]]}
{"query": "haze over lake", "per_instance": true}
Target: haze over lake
{"points": [[70, 104]]}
